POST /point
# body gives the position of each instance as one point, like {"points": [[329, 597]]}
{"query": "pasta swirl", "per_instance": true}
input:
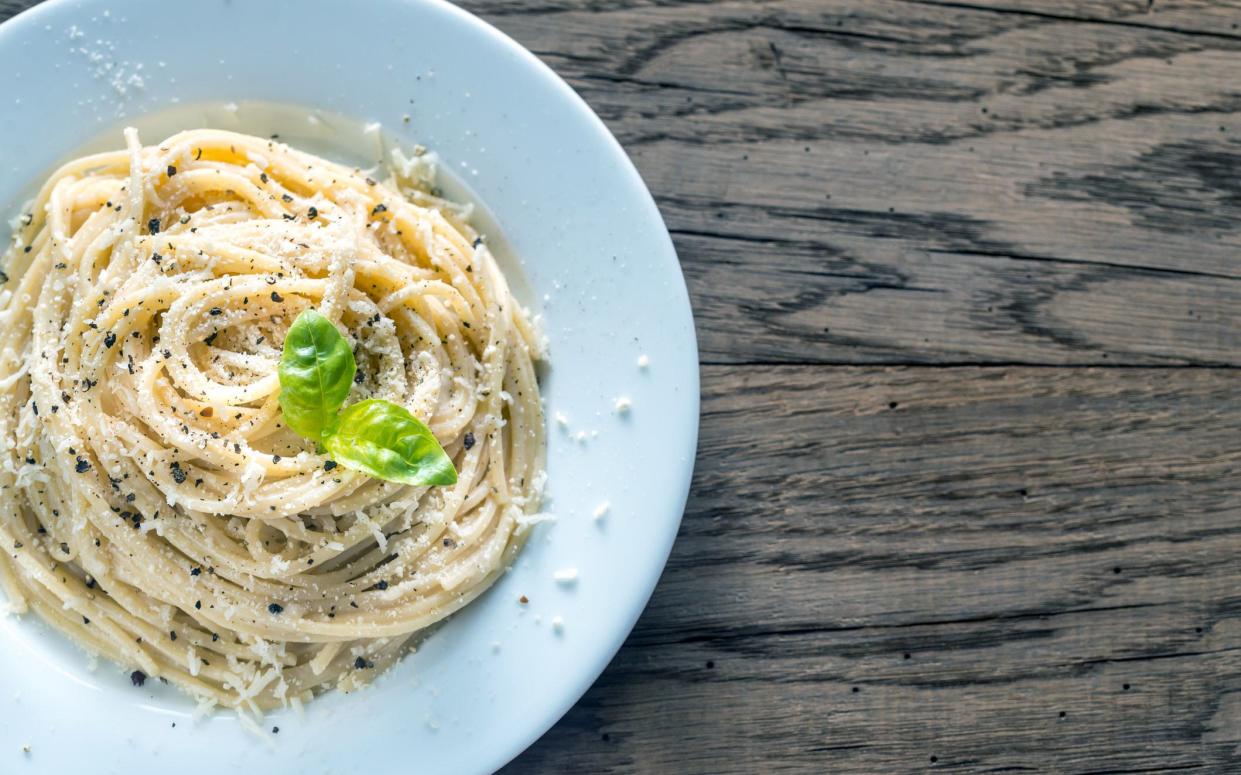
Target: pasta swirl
{"points": [[152, 504]]}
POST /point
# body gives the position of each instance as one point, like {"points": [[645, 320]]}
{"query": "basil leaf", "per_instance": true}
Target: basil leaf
{"points": [[316, 373], [384, 440]]}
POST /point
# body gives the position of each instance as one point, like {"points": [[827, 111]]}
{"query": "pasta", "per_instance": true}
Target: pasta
{"points": [[154, 507]]}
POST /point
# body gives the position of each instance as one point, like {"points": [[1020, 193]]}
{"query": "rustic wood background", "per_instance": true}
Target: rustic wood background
{"points": [[967, 279]]}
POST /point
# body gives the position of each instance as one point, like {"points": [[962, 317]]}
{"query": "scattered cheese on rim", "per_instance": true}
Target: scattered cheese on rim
{"points": [[557, 624], [565, 576], [643, 361], [561, 420], [601, 510], [623, 404]]}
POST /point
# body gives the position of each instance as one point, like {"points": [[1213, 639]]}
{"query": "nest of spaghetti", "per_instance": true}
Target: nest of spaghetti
{"points": [[154, 506]]}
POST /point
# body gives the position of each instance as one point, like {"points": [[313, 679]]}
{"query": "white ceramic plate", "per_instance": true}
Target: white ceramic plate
{"points": [[601, 270]]}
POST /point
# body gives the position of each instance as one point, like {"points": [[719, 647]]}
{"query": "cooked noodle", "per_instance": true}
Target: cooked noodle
{"points": [[152, 504]]}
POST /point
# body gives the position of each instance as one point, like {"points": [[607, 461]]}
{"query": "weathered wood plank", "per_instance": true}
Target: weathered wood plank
{"points": [[854, 300], [1001, 546]]}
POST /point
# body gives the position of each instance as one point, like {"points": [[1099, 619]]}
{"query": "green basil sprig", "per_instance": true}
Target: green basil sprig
{"points": [[374, 436]]}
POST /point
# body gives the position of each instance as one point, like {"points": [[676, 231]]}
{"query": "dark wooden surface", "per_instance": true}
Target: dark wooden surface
{"points": [[967, 279]]}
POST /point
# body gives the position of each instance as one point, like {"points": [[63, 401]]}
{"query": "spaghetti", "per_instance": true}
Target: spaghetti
{"points": [[154, 507]]}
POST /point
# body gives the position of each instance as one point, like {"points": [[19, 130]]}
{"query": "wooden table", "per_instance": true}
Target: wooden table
{"points": [[967, 279]]}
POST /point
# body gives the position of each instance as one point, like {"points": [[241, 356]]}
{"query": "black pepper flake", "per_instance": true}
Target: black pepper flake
{"points": [[214, 637], [328, 465], [137, 678], [379, 208], [85, 620], [275, 730], [362, 663], [90, 582], [370, 182], [286, 197], [478, 241], [312, 213], [64, 547], [171, 170], [153, 226], [198, 154], [215, 311], [172, 634], [290, 217], [109, 339], [275, 608], [82, 466], [198, 604], [275, 458], [156, 257], [382, 585], [178, 474], [276, 297]]}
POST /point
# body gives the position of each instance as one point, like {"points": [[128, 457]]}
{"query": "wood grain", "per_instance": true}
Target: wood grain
{"points": [[881, 565], [1004, 181], [1005, 568], [966, 282]]}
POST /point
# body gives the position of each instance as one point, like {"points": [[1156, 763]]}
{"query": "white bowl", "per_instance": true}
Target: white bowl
{"points": [[601, 269]]}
